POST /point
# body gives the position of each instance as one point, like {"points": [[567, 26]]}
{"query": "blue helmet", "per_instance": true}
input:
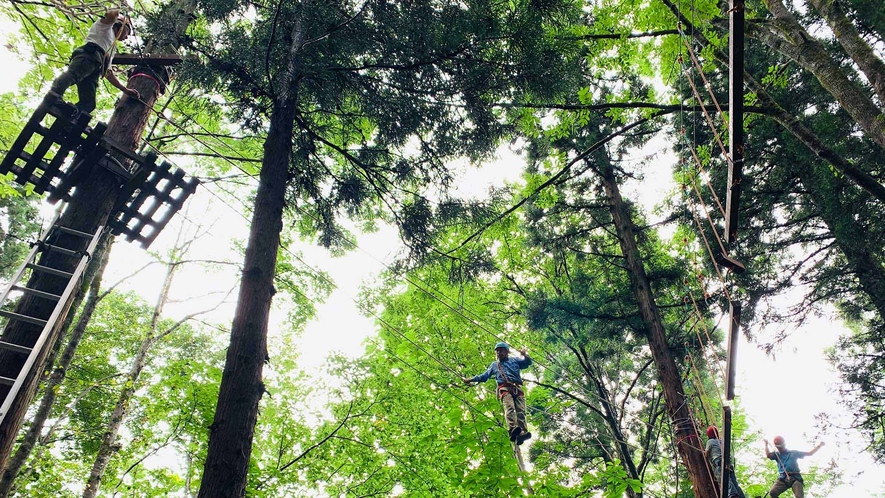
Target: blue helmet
{"points": [[502, 345]]}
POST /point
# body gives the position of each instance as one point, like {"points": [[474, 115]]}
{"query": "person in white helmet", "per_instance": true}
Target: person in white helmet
{"points": [[506, 371], [93, 60], [789, 476]]}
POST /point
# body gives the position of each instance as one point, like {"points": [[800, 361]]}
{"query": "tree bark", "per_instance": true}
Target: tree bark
{"points": [[688, 443], [30, 438], [230, 436], [792, 40], [108, 447], [90, 207], [854, 45], [232, 429]]}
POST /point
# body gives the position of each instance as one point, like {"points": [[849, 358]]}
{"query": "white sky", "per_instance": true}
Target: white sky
{"points": [[761, 380]]}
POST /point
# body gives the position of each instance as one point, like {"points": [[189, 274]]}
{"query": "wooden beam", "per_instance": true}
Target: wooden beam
{"points": [[731, 353], [156, 60], [730, 263], [735, 117], [724, 477]]}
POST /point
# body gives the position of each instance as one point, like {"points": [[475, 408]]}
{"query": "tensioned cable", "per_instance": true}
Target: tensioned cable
{"points": [[443, 364], [700, 70], [547, 352], [354, 244], [703, 174]]}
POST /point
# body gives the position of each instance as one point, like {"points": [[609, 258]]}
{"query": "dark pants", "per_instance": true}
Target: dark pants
{"points": [[788, 482], [733, 489], [84, 71]]}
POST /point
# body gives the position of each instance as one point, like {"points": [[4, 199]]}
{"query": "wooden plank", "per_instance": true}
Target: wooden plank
{"points": [[734, 329], [70, 141], [150, 192], [735, 117], [154, 60], [724, 477], [25, 136], [82, 164], [51, 137]]}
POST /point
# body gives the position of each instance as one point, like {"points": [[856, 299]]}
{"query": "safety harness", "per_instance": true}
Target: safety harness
{"points": [[507, 387]]}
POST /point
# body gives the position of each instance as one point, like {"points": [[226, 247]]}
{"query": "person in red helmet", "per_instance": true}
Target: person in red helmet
{"points": [[789, 476], [506, 372], [713, 453]]}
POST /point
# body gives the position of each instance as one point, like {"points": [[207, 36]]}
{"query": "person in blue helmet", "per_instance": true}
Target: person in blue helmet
{"points": [[506, 372]]}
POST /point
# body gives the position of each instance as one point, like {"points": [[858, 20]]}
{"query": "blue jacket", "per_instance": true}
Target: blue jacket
{"points": [[787, 462], [511, 367]]}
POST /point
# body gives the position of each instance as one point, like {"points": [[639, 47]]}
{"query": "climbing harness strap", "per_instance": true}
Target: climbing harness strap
{"points": [[508, 387]]}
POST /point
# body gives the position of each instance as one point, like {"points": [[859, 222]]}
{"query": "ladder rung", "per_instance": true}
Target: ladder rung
{"points": [[22, 318], [62, 250], [15, 347], [74, 232], [7, 381], [35, 292], [46, 269]]}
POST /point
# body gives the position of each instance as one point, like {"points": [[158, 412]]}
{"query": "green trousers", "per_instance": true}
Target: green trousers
{"points": [[84, 70]]}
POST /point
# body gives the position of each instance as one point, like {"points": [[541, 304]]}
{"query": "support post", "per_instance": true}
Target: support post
{"points": [[735, 116], [734, 329], [724, 476]]}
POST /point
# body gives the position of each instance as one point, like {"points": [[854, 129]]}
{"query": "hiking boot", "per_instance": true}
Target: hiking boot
{"points": [[514, 433], [525, 436]]}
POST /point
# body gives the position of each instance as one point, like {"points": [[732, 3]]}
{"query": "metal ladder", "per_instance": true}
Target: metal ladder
{"points": [[15, 284]]}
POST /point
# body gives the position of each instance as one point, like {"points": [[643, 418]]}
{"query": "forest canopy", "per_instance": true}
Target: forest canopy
{"points": [[548, 173]]}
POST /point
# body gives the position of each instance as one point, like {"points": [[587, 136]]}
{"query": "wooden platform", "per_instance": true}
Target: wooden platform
{"points": [[150, 194]]}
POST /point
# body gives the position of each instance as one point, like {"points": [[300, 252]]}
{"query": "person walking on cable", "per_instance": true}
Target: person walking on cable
{"points": [[713, 453], [506, 372], [789, 476], [93, 60]]}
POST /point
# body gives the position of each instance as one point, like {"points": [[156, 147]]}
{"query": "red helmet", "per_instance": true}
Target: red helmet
{"points": [[778, 441], [712, 433]]}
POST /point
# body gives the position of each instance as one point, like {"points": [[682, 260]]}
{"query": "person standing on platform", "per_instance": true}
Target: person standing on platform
{"points": [[93, 60]]}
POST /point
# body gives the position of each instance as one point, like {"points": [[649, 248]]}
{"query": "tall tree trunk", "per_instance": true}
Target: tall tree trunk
{"points": [[788, 37], [611, 419], [687, 441], [108, 446], [90, 207], [233, 427], [58, 374], [860, 51]]}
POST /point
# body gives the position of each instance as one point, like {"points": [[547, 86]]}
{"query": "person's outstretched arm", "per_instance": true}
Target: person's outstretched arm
{"points": [[481, 377], [813, 451], [526, 360], [767, 451]]}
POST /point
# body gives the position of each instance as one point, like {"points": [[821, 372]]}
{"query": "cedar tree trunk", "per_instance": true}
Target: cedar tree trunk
{"points": [[687, 441]]}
